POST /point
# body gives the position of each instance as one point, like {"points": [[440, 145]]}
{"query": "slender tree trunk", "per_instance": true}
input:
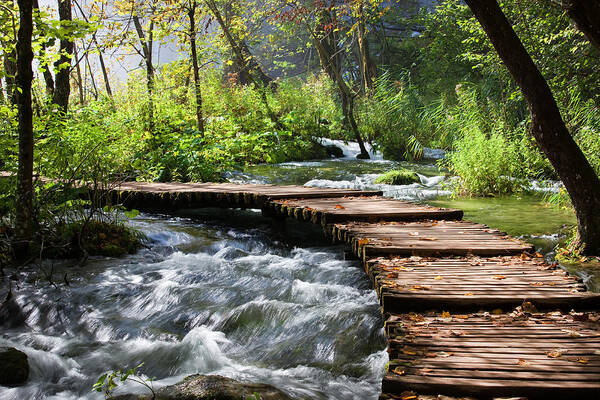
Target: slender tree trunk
{"points": [[100, 56], [240, 50], [548, 128], [24, 204], [62, 84], [48, 79], [92, 79], [10, 69], [586, 14], [368, 68], [147, 53], [80, 84], [332, 66], [194, 55]]}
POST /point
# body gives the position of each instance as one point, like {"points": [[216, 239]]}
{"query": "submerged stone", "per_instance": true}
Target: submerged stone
{"points": [[14, 367], [212, 387], [334, 151]]}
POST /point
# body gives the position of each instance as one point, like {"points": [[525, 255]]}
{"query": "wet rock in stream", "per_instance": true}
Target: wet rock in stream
{"points": [[14, 367], [211, 387]]}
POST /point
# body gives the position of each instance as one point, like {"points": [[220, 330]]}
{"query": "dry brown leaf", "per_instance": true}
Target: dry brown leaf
{"points": [[523, 363], [583, 360], [409, 351], [362, 242], [430, 239], [339, 207], [439, 277], [445, 314], [499, 277], [420, 287], [556, 353], [408, 395], [468, 294]]}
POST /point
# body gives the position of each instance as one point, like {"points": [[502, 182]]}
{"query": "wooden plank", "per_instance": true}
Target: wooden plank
{"points": [[474, 283], [469, 355], [429, 238], [360, 208], [175, 195]]}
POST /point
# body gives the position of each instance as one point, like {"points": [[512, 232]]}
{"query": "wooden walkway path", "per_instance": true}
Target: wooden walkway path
{"points": [[460, 299]]}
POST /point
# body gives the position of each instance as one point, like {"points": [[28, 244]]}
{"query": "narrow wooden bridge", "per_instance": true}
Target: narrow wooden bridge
{"points": [[469, 310]]}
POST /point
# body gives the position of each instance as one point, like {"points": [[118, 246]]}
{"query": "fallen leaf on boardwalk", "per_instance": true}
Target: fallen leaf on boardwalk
{"points": [[525, 257], [408, 395], [409, 351], [439, 277], [445, 314], [499, 277], [523, 363], [444, 354], [556, 353], [431, 355], [420, 287], [583, 360], [416, 317], [362, 242], [537, 284], [468, 294], [539, 255], [399, 371], [339, 207], [461, 316], [430, 239], [413, 233]]}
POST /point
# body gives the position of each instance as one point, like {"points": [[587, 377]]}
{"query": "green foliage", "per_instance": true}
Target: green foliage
{"points": [[398, 177], [109, 381]]}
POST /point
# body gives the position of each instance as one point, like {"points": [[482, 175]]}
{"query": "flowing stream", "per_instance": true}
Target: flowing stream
{"points": [[233, 293]]}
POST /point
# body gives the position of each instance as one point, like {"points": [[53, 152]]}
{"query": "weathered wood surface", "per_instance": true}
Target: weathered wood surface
{"points": [[173, 196], [427, 238], [523, 353], [475, 283], [358, 208]]}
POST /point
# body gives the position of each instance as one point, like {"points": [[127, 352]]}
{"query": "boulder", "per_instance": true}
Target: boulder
{"points": [[14, 367], [334, 151], [212, 387]]}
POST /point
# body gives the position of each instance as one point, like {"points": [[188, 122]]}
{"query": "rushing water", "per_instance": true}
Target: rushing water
{"points": [[240, 297], [236, 294]]}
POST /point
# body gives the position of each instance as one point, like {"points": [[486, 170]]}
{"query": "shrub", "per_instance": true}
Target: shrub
{"points": [[398, 177]]}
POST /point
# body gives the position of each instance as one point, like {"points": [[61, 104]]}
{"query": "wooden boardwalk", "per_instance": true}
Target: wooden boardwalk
{"points": [[448, 290]]}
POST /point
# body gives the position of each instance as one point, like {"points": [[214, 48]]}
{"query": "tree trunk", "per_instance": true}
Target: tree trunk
{"points": [[368, 67], [62, 85], [100, 56], [548, 128], [48, 78], [586, 14], [332, 66], [24, 203], [194, 55], [147, 53], [240, 50], [80, 84], [10, 69]]}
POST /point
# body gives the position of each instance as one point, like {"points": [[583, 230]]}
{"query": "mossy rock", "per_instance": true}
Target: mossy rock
{"points": [[398, 177], [14, 367], [212, 387]]}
